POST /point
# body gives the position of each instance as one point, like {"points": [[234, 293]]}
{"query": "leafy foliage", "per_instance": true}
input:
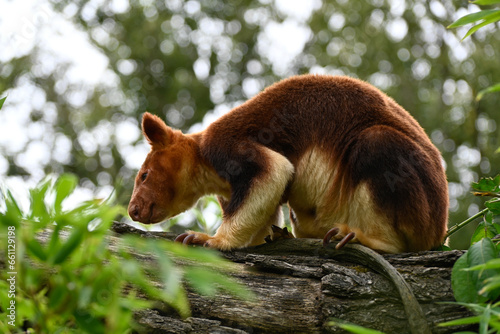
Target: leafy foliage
{"points": [[488, 227], [73, 283], [475, 276], [480, 19], [485, 17], [487, 318]]}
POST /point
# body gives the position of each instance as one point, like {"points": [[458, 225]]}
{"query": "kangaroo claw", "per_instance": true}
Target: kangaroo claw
{"points": [[181, 237], [345, 240], [333, 232]]}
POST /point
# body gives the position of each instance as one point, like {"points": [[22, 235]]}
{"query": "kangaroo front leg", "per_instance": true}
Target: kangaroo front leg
{"points": [[256, 212]]}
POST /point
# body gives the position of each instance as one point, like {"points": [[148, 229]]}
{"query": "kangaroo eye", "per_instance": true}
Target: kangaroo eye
{"points": [[144, 176]]}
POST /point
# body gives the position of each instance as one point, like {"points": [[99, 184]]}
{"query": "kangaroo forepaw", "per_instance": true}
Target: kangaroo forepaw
{"points": [[334, 232], [192, 238]]}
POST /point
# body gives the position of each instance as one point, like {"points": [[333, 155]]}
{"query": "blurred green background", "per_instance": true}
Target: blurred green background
{"points": [[79, 75]]}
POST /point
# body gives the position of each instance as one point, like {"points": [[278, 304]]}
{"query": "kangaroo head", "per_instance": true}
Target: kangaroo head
{"points": [[163, 187]]}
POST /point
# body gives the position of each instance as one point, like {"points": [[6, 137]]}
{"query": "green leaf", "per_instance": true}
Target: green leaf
{"points": [[171, 277], [480, 253], [494, 206], [39, 211], [83, 213], [176, 295], [173, 291], [202, 255], [135, 275], [208, 282], [232, 286], [64, 187], [492, 285], [484, 321], [201, 280], [105, 216], [474, 307], [85, 296], [2, 100], [491, 264], [354, 328], [485, 2], [54, 243], [485, 229], [88, 322], [488, 20], [491, 89], [36, 249], [133, 303], [461, 321], [470, 18], [69, 246], [462, 282], [58, 295], [13, 214], [487, 184]]}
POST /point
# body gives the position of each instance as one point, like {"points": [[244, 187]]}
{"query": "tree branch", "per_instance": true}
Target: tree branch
{"points": [[301, 285]]}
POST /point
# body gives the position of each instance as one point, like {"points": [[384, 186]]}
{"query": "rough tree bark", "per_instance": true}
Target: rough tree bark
{"points": [[300, 288]]}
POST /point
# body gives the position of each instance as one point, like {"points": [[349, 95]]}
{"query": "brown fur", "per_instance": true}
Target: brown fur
{"points": [[339, 151]]}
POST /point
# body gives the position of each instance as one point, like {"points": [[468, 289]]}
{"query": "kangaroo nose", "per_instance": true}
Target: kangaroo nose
{"points": [[133, 211]]}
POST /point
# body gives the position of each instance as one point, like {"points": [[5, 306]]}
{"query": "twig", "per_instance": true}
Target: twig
{"points": [[486, 193], [465, 222]]}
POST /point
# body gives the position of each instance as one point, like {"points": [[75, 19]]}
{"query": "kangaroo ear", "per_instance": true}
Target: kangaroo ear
{"points": [[156, 131]]}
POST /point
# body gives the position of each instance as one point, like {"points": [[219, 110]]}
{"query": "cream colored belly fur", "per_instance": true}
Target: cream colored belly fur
{"points": [[313, 199]]}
